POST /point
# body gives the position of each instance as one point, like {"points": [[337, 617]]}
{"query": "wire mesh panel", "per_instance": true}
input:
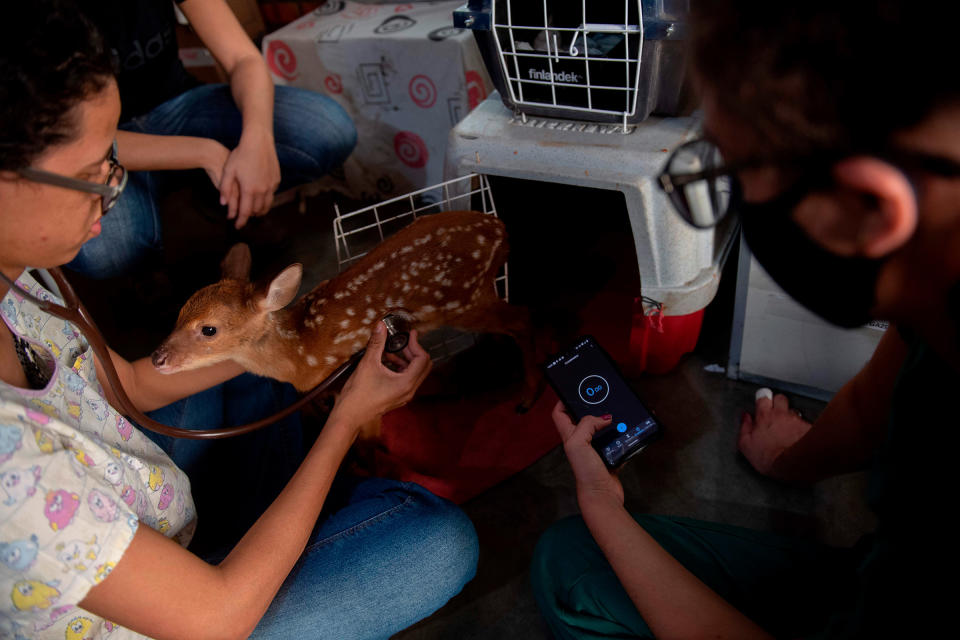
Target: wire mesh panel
{"points": [[359, 231], [580, 56]]}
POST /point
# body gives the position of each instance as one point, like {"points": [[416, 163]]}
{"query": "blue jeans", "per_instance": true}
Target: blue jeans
{"points": [[383, 555], [313, 135]]}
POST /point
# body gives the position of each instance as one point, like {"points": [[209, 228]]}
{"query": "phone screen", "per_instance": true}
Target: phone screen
{"points": [[588, 383]]}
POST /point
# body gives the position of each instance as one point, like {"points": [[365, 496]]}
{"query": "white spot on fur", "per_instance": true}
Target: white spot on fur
{"points": [[366, 321], [481, 239], [311, 361], [427, 308], [438, 295], [330, 360], [379, 265], [344, 324], [371, 313], [300, 350], [404, 276], [452, 305], [351, 312], [406, 287], [356, 345], [475, 255], [406, 249]]}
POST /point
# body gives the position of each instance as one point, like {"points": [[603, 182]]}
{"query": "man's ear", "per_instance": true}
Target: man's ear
{"points": [[888, 203]]}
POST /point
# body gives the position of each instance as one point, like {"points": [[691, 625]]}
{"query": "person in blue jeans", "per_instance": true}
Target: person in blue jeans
{"points": [[249, 137], [287, 549]]}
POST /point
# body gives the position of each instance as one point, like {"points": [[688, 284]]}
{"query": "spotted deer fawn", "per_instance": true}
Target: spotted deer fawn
{"points": [[440, 270]]}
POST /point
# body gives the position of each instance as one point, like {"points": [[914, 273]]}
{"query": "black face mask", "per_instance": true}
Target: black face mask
{"points": [[839, 289]]}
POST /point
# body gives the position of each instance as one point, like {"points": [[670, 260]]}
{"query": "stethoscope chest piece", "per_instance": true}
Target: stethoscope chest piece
{"points": [[398, 330]]}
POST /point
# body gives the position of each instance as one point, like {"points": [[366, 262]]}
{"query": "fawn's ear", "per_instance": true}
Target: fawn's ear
{"points": [[236, 266], [283, 289]]}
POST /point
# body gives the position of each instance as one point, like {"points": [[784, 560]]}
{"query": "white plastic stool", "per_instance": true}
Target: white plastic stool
{"points": [[679, 265]]}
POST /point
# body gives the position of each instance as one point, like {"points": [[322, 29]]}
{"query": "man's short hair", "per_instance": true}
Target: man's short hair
{"points": [[838, 75], [51, 59]]}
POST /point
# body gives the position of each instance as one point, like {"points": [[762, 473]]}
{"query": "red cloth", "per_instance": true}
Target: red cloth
{"points": [[457, 448]]}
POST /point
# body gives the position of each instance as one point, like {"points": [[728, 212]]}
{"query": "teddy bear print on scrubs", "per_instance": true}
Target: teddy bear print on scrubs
{"points": [[79, 628], [44, 440], [124, 428], [104, 507], [60, 507], [30, 595], [99, 408], [156, 477], [19, 555], [166, 496], [113, 473], [19, 484], [11, 437], [78, 555]]}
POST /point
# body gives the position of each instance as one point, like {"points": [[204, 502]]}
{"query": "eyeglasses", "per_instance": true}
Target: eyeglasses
{"points": [[109, 191], [703, 189]]}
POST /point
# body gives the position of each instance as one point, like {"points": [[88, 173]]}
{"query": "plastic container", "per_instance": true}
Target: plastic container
{"points": [[593, 61], [657, 341]]}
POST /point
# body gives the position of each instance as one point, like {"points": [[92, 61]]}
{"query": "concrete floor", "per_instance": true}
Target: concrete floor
{"points": [[693, 471]]}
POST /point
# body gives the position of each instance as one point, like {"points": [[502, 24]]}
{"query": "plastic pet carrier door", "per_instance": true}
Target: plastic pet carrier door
{"points": [[600, 61]]}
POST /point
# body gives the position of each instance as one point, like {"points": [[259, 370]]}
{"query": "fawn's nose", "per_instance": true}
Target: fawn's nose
{"points": [[159, 357]]}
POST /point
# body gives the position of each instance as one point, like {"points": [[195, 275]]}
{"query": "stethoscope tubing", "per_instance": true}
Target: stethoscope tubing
{"points": [[75, 313]]}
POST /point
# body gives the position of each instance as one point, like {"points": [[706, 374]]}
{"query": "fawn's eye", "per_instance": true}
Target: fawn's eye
{"points": [[208, 331]]}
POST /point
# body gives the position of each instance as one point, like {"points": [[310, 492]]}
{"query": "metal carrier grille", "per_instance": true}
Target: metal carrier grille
{"points": [[359, 231], [557, 53]]}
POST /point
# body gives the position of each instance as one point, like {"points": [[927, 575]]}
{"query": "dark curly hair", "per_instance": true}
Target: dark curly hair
{"points": [[51, 58], [840, 75]]}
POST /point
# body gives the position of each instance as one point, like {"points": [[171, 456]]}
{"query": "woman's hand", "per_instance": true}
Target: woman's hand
{"points": [[251, 175], [214, 157], [594, 482], [775, 429], [374, 389]]}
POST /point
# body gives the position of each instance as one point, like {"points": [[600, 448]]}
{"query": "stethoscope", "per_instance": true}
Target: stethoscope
{"points": [[398, 335]]}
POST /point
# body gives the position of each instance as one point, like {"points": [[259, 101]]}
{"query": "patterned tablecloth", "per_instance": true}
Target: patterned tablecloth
{"points": [[404, 74]]}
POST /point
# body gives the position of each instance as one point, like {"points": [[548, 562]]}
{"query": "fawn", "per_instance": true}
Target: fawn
{"points": [[439, 270]]}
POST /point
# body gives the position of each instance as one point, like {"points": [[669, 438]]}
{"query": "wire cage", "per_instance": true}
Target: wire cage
{"points": [[603, 61], [359, 231]]}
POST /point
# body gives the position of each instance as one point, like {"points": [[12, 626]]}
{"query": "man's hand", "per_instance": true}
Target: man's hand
{"points": [[374, 389], [250, 177], [594, 482], [775, 429]]}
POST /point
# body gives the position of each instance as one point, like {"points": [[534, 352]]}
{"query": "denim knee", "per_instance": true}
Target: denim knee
{"points": [[447, 544], [313, 133]]}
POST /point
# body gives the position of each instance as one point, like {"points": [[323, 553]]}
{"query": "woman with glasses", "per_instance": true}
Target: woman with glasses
{"points": [[833, 138], [97, 524]]}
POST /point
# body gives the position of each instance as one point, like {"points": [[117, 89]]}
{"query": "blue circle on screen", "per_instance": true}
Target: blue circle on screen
{"points": [[622, 427]]}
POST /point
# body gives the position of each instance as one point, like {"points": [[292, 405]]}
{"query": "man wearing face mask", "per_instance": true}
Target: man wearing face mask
{"points": [[830, 136]]}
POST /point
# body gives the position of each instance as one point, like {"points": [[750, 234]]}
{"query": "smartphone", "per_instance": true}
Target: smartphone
{"points": [[589, 383]]}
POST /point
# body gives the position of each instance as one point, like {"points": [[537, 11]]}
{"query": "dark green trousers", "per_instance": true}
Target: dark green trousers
{"points": [[789, 586]]}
